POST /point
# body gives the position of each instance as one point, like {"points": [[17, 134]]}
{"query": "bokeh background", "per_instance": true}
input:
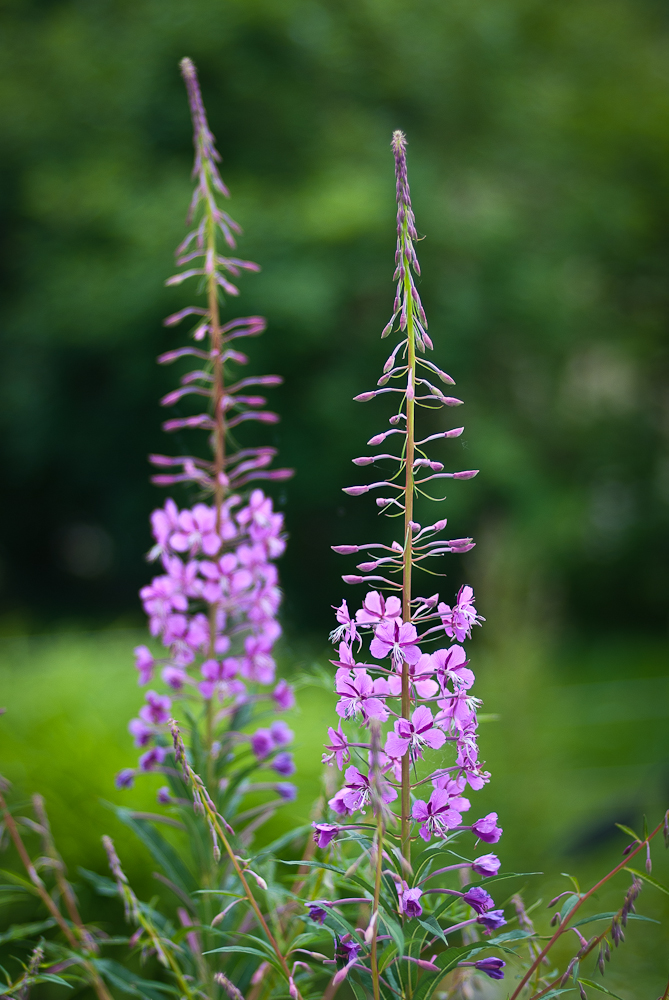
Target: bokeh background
{"points": [[539, 163]]}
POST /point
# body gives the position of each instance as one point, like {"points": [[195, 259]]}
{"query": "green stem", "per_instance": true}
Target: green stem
{"points": [[375, 913], [408, 517]]}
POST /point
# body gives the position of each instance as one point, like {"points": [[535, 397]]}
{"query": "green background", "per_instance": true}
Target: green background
{"points": [[539, 164]]}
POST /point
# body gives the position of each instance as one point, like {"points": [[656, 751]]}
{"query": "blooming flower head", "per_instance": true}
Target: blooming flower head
{"points": [[458, 620], [486, 829], [414, 735], [338, 748], [360, 693], [355, 794], [397, 639], [287, 790], [450, 667], [325, 833], [436, 816], [376, 609], [346, 629]]}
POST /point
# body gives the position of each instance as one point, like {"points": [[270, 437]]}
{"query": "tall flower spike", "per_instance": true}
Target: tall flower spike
{"points": [[214, 605], [400, 630]]}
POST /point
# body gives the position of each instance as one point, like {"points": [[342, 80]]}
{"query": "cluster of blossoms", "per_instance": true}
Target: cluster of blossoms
{"points": [[408, 700], [214, 605]]}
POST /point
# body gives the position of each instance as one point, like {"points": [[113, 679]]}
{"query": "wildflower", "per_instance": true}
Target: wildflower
{"points": [[144, 663], [355, 794], [409, 900], [359, 693], [478, 899], [486, 829], [487, 864], [280, 733], [377, 610], [414, 735], [325, 833], [491, 966], [125, 778], [458, 620], [284, 764], [450, 665], [346, 629], [164, 796], [152, 758], [316, 913], [492, 920], [262, 743], [283, 695], [338, 748], [399, 639], [287, 790], [436, 816]]}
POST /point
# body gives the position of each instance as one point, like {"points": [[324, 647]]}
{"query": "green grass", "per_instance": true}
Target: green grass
{"points": [[581, 741]]}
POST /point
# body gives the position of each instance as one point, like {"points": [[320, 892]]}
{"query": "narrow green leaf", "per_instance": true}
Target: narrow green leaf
{"points": [[516, 935], [166, 856], [556, 993], [49, 977], [26, 930], [574, 973], [432, 926], [598, 986], [573, 881], [103, 886], [568, 905], [648, 878]]}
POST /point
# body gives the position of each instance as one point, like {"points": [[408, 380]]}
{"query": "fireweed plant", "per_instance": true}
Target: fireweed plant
{"points": [[388, 906], [402, 704], [214, 607]]}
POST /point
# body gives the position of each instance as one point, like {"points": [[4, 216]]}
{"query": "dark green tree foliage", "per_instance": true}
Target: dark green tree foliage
{"points": [[539, 139]]}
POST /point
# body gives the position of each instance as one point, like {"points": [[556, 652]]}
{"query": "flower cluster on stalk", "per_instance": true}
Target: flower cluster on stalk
{"points": [[401, 665], [214, 603]]}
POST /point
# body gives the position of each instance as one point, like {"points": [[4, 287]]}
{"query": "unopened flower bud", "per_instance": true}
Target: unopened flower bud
{"points": [[355, 491], [345, 550], [364, 397]]}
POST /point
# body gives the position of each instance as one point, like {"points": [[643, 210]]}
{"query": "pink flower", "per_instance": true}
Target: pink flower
{"points": [[397, 639], [451, 665], [346, 628], [284, 696], [486, 865], [360, 693], [458, 620], [409, 900], [420, 677], [414, 735], [354, 796], [144, 663], [157, 709], [196, 531], [376, 609], [338, 748], [324, 833], [486, 829], [436, 816]]}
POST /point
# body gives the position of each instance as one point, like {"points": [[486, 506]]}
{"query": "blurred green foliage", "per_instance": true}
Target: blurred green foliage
{"points": [[539, 162], [577, 746]]}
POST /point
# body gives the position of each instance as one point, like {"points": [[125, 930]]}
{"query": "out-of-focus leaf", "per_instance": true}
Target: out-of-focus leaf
{"points": [[26, 930]]}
